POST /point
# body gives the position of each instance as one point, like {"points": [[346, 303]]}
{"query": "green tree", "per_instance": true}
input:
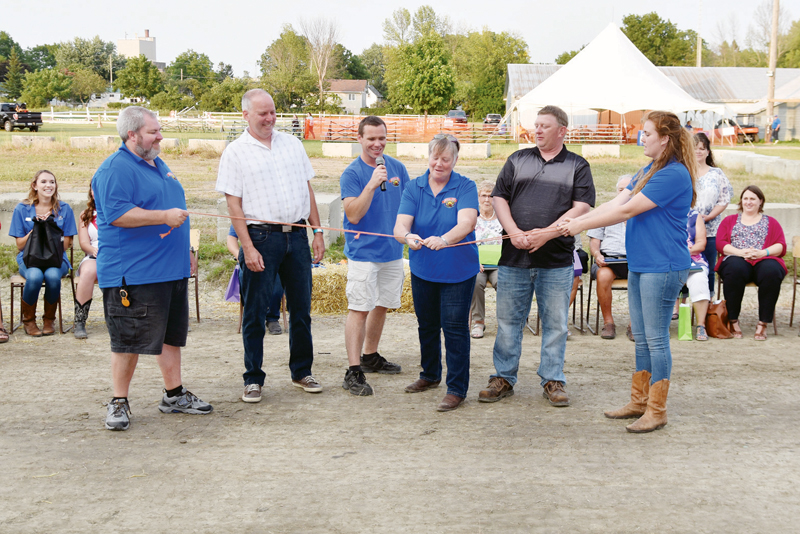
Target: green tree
{"points": [[346, 65], [791, 59], [15, 75], [41, 86], [397, 29], [226, 95], [481, 62], [85, 83], [7, 44], [286, 70], [139, 79], [660, 40], [41, 57], [93, 54], [191, 65], [373, 60], [171, 99], [564, 57], [420, 76], [224, 71], [426, 22]]}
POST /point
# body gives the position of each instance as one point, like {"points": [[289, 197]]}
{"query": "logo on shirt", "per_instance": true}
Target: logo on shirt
{"points": [[395, 181], [170, 175], [450, 202]]}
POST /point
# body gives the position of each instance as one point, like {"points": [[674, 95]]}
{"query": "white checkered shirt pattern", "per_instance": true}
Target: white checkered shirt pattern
{"points": [[272, 183]]}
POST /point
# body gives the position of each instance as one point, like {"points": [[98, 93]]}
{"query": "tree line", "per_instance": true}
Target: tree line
{"points": [[423, 66]]}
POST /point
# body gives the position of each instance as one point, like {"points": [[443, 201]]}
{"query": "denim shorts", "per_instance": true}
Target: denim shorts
{"points": [[158, 314]]}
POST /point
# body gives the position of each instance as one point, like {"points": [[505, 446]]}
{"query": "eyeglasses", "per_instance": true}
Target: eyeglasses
{"points": [[449, 137]]}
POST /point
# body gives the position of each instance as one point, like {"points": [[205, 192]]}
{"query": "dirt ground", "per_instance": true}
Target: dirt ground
{"points": [[727, 461]]}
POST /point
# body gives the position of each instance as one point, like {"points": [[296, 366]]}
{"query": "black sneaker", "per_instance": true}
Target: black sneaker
{"points": [[356, 383], [378, 364]]}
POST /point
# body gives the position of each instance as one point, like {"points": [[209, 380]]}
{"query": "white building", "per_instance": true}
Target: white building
{"points": [[355, 94], [138, 46]]}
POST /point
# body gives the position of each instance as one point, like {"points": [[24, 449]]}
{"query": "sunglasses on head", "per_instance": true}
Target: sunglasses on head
{"points": [[449, 137]]}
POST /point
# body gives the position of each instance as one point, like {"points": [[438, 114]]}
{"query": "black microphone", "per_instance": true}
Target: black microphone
{"points": [[379, 161]]}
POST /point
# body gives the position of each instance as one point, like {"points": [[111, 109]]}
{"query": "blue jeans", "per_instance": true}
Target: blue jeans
{"points": [[444, 308], [33, 282], [710, 254], [286, 255], [651, 298], [515, 289]]}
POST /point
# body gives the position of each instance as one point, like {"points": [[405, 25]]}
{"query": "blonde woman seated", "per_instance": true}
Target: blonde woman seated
{"points": [[488, 226]]}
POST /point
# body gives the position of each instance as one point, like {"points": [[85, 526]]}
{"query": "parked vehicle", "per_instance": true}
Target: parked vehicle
{"points": [[741, 131], [457, 116], [16, 115], [493, 118]]}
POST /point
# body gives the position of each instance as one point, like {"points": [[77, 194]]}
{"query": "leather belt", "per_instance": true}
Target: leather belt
{"points": [[285, 228]]}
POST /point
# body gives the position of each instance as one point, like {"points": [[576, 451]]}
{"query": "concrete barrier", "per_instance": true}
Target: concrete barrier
{"points": [[9, 201], [757, 161], [341, 150], [330, 215], [600, 151], [98, 142], [214, 145], [170, 143], [791, 170], [412, 150], [475, 151], [32, 140]]}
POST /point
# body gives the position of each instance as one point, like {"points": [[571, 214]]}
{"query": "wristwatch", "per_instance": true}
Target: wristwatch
{"points": [[317, 230]]}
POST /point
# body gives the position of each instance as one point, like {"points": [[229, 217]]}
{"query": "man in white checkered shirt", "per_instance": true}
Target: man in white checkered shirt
{"points": [[265, 175]]}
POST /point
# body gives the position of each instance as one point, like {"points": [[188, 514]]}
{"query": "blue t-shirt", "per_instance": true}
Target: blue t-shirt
{"points": [[436, 216], [381, 215], [656, 239], [232, 232], [125, 181], [22, 222]]}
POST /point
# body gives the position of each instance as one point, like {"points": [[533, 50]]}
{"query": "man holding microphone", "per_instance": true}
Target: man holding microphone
{"points": [[371, 187]]}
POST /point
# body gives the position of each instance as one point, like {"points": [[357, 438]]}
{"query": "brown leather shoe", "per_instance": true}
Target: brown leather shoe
{"points": [[450, 402], [556, 394], [29, 319], [49, 318], [421, 384], [498, 388], [609, 331], [629, 333]]}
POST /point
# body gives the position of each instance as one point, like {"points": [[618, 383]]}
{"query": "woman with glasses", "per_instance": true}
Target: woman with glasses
{"points": [[438, 210]]}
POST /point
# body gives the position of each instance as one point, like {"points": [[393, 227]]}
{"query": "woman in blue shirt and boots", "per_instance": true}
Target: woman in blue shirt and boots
{"points": [[655, 204]]}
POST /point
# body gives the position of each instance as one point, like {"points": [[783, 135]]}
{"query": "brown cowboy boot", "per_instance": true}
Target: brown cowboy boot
{"points": [[29, 319], [640, 387], [49, 318], [655, 416]]}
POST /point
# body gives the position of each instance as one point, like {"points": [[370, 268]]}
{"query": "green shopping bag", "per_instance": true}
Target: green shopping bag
{"points": [[685, 322]]}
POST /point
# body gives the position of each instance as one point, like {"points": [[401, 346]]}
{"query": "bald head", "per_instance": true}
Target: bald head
{"points": [[253, 94]]}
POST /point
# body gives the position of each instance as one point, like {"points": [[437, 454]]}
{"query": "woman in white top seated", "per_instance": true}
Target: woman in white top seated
{"points": [[87, 270]]}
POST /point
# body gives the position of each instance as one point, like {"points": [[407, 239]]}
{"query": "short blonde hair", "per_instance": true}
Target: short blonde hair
{"points": [[486, 185]]}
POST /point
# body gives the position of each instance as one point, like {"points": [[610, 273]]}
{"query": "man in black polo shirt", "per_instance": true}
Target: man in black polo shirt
{"points": [[537, 188]]}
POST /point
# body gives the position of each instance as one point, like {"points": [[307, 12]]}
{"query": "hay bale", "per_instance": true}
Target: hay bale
{"points": [[328, 295]]}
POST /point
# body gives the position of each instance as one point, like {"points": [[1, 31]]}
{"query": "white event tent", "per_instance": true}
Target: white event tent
{"points": [[609, 74]]}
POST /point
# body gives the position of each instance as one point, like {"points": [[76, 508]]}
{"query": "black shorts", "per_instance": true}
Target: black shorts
{"points": [[158, 314], [620, 269]]}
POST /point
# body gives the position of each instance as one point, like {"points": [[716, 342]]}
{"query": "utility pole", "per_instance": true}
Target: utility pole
{"points": [[110, 71], [699, 38], [773, 62]]}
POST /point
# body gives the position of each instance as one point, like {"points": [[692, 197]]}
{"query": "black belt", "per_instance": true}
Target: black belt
{"points": [[278, 227]]}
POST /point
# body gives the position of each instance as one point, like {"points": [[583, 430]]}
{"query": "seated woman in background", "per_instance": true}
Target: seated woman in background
{"points": [[487, 227], [87, 270], [274, 311], [751, 246], [42, 202]]}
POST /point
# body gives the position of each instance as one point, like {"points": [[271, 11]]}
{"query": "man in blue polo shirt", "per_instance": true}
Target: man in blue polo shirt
{"points": [[371, 186], [143, 264]]}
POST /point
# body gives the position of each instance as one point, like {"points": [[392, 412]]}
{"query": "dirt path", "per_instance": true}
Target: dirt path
{"points": [[727, 462]]}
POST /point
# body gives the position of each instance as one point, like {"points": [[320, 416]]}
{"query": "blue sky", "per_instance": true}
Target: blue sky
{"points": [[238, 32]]}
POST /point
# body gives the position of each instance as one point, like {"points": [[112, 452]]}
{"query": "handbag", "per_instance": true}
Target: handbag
{"points": [[45, 245], [717, 320], [232, 291], [685, 322]]}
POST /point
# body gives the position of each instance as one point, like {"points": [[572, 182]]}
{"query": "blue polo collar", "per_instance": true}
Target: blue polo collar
{"points": [[138, 160], [452, 183]]}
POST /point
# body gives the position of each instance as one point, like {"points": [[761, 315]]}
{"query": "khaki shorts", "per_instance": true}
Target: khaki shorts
{"points": [[372, 284]]}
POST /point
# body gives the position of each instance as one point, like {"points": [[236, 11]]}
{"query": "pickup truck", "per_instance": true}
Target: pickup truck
{"points": [[16, 115]]}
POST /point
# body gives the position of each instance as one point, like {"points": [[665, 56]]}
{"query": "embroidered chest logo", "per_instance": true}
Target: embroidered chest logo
{"points": [[450, 202], [395, 181], [170, 175]]}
